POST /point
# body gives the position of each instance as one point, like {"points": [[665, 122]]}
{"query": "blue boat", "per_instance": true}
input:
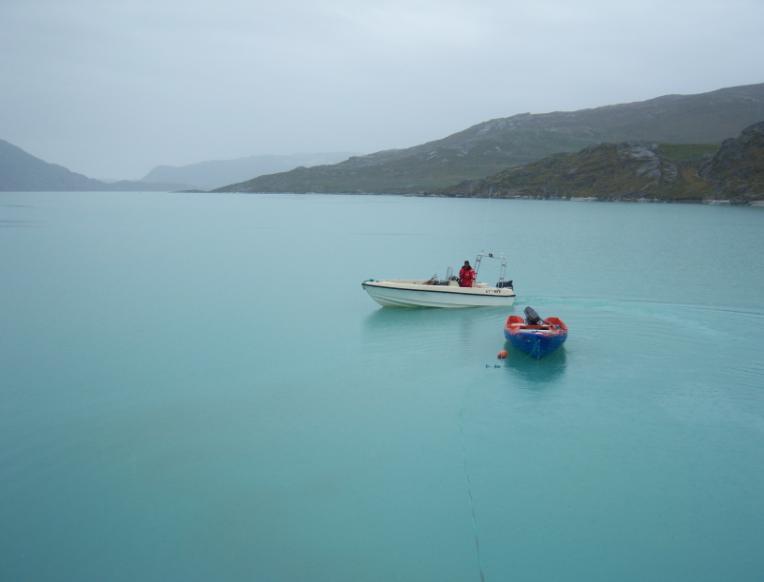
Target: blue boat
{"points": [[535, 336]]}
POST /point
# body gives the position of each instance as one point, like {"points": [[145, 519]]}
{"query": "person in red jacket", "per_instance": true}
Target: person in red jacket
{"points": [[466, 275]]}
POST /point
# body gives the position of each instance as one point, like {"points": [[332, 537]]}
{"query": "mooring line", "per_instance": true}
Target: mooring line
{"points": [[468, 481]]}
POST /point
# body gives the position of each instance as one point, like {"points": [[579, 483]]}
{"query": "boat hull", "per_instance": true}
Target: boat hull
{"points": [[537, 343], [416, 294]]}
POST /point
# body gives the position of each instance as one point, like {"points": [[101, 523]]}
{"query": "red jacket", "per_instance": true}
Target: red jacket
{"points": [[466, 277]]}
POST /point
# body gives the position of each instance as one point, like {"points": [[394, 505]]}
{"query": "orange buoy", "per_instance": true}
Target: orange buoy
{"points": [[502, 354]]}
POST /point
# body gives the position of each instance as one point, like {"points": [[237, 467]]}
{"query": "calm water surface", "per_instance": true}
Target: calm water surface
{"points": [[195, 387]]}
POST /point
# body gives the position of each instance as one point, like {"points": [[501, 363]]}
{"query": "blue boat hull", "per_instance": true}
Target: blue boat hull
{"points": [[535, 344]]}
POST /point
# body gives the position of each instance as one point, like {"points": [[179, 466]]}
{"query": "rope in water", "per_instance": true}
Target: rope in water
{"points": [[468, 481]]}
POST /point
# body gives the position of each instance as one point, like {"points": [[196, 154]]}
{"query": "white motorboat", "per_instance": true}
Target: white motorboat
{"points": [[443, 293]]}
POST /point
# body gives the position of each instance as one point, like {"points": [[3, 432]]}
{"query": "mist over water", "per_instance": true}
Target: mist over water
{"points": [[195, 387]]}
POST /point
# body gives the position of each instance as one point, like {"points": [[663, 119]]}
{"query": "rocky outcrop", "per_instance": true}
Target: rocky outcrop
{"points": [[737, 169]]}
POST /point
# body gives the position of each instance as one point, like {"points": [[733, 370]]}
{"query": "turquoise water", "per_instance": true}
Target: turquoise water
{"points": [[195, 387]]}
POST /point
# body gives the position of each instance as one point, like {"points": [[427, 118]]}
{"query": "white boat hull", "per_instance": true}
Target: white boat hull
{"points": [[418, 294]]}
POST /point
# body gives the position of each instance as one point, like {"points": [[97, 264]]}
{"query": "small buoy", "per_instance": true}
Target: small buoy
{"points": [[502, 354]]}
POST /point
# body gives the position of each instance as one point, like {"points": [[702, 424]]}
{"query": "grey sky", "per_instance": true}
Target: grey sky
{"points": [[112, 88]]}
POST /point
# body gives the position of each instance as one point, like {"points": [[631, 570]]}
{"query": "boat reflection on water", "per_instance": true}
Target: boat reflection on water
{"points": [[427, 329], [402, 319], [536, 371]]}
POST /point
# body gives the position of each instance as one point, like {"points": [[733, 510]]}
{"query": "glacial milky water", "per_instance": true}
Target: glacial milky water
{"points": [[195, 387]]}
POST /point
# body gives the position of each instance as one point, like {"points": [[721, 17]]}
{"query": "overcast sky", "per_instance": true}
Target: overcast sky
{"points": [[113, 88]]}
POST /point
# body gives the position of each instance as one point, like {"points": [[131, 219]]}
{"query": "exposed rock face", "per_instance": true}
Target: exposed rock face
{"points": [[650, 163], [737, 169]]}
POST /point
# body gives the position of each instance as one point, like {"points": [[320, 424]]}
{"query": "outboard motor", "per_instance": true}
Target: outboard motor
{"points": [[531, 317]]}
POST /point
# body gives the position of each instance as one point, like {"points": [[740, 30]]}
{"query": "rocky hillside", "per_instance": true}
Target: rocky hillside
{"points": [[737, 170], [621, 171], [637, 170], [490, 147]]}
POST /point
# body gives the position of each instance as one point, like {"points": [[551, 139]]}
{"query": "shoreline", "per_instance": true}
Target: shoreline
{"points": [[580, 199]]}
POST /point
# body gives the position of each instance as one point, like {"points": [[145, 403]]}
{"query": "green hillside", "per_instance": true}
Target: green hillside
{"points": [[492, 146]]}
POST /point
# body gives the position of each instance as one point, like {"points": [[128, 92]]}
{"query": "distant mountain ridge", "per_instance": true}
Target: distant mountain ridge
{"points": [[637, 171], [489, 147], [23, 172], [217, 173]]}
